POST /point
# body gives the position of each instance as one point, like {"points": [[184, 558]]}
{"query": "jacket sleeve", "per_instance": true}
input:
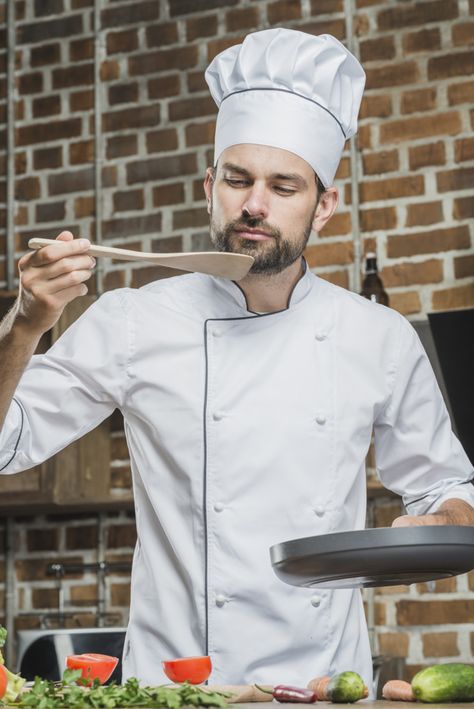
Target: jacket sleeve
{"points": [[417, 454], [68, 391]]}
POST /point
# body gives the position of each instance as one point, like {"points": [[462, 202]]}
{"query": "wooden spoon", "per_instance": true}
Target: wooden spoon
{"points": [[215, 263]]}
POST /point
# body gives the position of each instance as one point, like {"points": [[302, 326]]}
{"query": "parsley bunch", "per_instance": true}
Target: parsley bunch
{"points": [[67, 694]]}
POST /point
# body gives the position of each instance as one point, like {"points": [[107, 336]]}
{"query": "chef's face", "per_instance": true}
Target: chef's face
{"points": [[264, 202]]}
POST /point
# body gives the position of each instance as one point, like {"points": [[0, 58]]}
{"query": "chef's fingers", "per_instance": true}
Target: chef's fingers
{"points": [[66, 246], [55, 286], [66, 265]]}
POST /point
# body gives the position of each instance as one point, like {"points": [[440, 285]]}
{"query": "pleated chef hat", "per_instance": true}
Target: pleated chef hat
{"points": [[291, 90]]}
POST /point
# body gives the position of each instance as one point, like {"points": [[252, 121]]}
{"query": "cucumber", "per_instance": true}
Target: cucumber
{"points": [[450, 682], [346, 687]]}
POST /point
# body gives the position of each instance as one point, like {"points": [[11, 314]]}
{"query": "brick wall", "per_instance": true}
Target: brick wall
{"points": [[416, 184]]}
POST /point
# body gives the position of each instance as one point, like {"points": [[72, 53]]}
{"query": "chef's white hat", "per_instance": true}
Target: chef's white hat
{"points": [[290, 90]]}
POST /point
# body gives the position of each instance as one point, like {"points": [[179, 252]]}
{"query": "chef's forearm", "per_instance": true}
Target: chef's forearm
{"points": [[17, 344], [455, 511]]}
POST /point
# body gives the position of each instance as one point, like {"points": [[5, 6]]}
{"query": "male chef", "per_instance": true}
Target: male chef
{"points": [[249, 407]]}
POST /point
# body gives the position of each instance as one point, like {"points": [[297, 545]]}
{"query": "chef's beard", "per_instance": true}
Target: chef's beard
{"points": [[270, 256]]}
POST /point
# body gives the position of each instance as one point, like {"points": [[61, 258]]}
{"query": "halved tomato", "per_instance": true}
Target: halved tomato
{"points": [[93, 666], [3, 681], [188, 669]]}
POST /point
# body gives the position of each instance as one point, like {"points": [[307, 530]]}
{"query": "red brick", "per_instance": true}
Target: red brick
{"points": [[167, 245], [454, 180], [464, 149], [42, 539], [196, 81], [48, 7], [201, 26], [123, 93], [392, 75], [448, 585], [335, 27], [406, 303], [50, 212], [413, 128], [84, 207], [143, 276], [391, 188], [378, 219], [139, 117], [81, 100], [73, 75], [164, 86], [339, 225], [112, 280], [463, 33], [464, 266], [27, 188], [377, 49], [122, 41], [440, 644], [109, 70], [409, 273], [329, 254], [447, 299], [183, 7], [187, 218], [168, 194], [418, 13], [243, 18], [418, 100], [45, 54], [44, 132], [83, 595], [46, 106], [422, 41], [463, 208], [428, 242], [218, 45], [344, 169], [283, 10], [47, 157], [134, 13], [378, 106], [81, 152], [120, 594], [339, 278], [74, 181], [81, 537], [119, 146], [364, 137], [394, 644], [200, 133], [81, 49], [65, 26], [326, 7], [161, 60], [378, 163], [30, 83], [131, 226], [424, 213], [160, 34], [161, 168], [451, 65], [121, 535], [424, 155], [44, 597], [461, 93], [161, 140], [130, 200]]}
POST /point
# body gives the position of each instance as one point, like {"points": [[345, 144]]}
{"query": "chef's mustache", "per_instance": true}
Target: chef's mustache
{"points": [[253, 223]]}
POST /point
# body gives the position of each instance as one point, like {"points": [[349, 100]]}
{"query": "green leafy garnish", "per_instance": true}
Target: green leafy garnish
{"points": [[69, 694], [15, 682]]}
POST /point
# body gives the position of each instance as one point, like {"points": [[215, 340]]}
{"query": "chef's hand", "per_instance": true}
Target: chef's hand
{"points": [[50, 278], [450, 512]]}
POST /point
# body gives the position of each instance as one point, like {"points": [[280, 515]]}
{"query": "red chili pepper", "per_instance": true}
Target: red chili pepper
{"points": [[283, 693]]}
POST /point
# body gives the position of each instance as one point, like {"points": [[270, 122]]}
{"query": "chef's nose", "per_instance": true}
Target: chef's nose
{"points": [[256, 204]]}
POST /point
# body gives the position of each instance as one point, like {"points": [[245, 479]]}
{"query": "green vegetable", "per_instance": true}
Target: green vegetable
{"points": [[346, 687], [451, 682], [69, 694], [15, 682]]}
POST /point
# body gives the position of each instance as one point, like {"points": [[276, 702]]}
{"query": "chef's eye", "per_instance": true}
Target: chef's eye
{"points": [[284, 190], [234, 182]]}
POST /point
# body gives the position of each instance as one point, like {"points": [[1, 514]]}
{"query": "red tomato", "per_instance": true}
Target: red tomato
{"points": [[93, 666], [188, 669], [3, 681]]}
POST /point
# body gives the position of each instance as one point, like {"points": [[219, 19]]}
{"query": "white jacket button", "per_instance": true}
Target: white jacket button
{"points": [[216, 333], [316, 601], [218, 507], [320, 336], [220, 600], [319, 510], [321, 419], [217, 415]]}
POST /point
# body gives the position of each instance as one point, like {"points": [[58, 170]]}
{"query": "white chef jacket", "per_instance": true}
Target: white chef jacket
{"points": [[244, 431]]}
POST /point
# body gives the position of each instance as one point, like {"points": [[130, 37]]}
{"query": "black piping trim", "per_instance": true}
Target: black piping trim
{"points": [[286, 91], [290, 295], [204, 484], [19, 435]]}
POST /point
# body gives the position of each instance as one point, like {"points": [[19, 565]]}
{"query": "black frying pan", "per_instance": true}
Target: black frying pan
{"points": [[386, 556]]}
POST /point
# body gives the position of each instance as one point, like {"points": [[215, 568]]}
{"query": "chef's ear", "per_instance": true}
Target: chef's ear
{"points": [[327, 205], [208, 185]]}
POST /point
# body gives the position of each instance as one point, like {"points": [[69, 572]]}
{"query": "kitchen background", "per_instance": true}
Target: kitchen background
{"points": [[109, 128]]}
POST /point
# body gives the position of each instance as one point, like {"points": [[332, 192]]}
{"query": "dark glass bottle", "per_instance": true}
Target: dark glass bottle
{"points": [[372, 286]]}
